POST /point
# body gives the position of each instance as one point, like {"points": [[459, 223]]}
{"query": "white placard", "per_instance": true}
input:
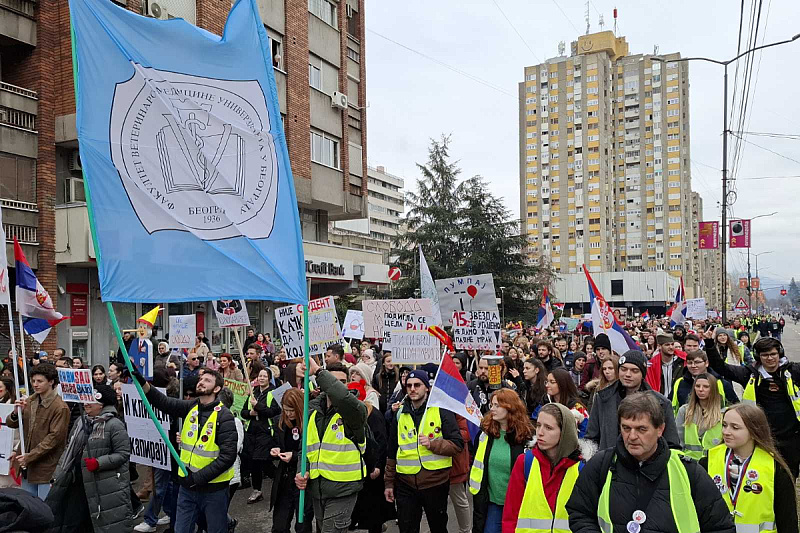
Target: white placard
{"points": [[696, 308], [323, 327], [6, 438], [353, 327], [182, 331], [466, 293], [415, 347], [375, 309], [403, 322], [476, 330], [231, 313], [147, 446], [76, 385]]}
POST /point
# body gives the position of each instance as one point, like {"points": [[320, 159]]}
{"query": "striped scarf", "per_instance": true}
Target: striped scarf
{"points": [[99, 425]]}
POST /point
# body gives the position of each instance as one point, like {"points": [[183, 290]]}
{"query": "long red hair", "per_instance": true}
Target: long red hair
{"points": [[518, 422]]}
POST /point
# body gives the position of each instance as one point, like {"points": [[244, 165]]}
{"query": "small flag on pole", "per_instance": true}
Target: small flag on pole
{"points": [[677, 313], [39, 328], [32, 300], [645, 315], [546, 315], [603, 320], [450, 392]]}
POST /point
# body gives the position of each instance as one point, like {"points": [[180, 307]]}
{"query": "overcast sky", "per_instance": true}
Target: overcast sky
{"points": [[412, 98]]}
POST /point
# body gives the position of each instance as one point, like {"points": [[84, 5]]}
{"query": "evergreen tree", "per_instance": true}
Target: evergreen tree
{"points": [[794, 293]]}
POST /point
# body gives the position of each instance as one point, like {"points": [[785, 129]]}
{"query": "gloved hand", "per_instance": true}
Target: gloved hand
{"points": [[91, 464], [138, 376], [189, 482]]}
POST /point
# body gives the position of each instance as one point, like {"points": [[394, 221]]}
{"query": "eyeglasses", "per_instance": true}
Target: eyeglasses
{"points": [[771, 355], [413, 385]]}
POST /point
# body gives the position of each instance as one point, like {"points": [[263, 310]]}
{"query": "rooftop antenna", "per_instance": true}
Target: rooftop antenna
{"points": [[655, 49], [562, 48], [615, 21], [601, 23], [588, 25]]}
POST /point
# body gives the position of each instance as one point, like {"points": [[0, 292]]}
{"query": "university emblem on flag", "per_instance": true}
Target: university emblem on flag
{"points": [[216, 174]]}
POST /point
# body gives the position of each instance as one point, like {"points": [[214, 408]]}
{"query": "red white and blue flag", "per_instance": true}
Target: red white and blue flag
{"points": [[546, 315], [645, 315], [39, 328], [32, 300], [604, 321], [450, 392], [677, 313]]}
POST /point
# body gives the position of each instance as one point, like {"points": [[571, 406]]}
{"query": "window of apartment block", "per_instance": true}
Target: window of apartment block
{"points": [[324, 149], [323, 9], [315, 76], [17, 178]]}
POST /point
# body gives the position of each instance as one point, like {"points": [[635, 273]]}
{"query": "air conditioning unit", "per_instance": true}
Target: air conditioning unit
{"points": [[157, 10], [75, 160], [73, 190], [349, 11], [339, 100]]}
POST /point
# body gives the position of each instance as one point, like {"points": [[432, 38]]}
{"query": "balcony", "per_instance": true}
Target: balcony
{"points": [[21, 220], [18, 109], [17, 22]]}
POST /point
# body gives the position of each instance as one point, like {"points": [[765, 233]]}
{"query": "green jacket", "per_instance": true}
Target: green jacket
{"points": [[354, 415]]}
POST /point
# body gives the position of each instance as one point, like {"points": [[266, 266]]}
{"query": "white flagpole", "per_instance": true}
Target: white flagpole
{"points": [[24, 359], [16, 377]]}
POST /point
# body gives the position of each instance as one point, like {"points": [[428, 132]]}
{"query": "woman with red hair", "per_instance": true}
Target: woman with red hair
{"points": [[504, 431]]}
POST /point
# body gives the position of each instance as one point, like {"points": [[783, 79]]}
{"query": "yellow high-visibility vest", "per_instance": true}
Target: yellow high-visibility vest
{"points": [[535, 515], [412, 456], [749, 396], [696, 448], [335, 457], [199, 445]]}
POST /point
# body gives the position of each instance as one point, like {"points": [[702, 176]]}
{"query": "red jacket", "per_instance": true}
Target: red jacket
{"points": [[460, 469], [551, 481], [653, 377]]}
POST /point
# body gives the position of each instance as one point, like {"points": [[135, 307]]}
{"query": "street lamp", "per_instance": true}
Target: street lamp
{"points": [[725, 151], [749, 288], [503, 304], [759, 282]]}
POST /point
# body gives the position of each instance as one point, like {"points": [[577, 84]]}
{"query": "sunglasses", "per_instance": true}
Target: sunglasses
{"points": [[413, 385]]}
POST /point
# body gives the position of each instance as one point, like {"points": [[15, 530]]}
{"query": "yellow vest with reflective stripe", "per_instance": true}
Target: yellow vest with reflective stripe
{"points": [[754, 513], [695, 448], [476, 473], [199, 444], [680, 499], [335, 457], [749, 396], [412, 456], [676, 405], [535, 515]]}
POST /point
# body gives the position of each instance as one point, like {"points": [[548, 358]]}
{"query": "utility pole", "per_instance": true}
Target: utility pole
{"points": [[749, 289], [725, 200]]}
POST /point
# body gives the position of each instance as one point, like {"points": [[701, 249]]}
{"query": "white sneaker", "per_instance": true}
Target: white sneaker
{"points": [[144, 527], [163, 521]]}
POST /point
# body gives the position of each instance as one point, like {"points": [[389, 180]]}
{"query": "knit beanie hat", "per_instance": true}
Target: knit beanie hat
{"points": [[363, 370], [602, 341], [635, 357], [104, 394], [420, 375]]}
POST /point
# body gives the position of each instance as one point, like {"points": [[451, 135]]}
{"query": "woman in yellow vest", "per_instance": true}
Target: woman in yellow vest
{"points": [[700, 420], [751, 475], [542, 479], [504, 431]]}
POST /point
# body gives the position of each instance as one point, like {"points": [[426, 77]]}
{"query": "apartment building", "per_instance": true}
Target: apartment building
{"points": [[605, 175], [320, 74], [385, 206]]}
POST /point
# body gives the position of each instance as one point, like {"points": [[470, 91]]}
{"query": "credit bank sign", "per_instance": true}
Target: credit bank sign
{"points": [[326, 268]]}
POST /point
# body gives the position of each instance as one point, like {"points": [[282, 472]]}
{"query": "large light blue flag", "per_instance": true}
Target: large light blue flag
{"points": [[183, 152]]}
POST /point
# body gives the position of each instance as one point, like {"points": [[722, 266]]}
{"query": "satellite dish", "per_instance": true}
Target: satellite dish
{"points": [[155, 10]]}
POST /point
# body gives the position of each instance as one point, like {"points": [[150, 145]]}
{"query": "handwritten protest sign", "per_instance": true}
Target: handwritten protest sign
{"points": [[476, 330], [466, 293], [6, 439], [231, 313], [290, 325], [353, 327], [696, 308], [374, 310], [323, 327], [182, 331], [76, 385], [147, 446], [403, 322], [415, 347]]}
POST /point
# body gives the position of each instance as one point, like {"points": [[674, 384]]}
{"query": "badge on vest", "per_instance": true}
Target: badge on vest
{"points": [[295, 434]]}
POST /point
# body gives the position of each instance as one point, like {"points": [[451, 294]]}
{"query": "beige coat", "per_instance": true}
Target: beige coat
{"points": [[45, 421]]}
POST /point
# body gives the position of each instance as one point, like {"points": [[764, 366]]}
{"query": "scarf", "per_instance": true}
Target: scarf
{"points": [[98, 424]]}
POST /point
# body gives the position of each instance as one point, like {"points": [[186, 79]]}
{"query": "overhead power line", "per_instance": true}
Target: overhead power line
{"points": [[535, 56], [568, 19], [768, 150]]}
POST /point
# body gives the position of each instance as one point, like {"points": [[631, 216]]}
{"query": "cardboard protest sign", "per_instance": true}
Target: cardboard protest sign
{"points": [[353, 327], [182, 331], [323, 327], [147, 446], [373, 311], [476, 330], [466, 293], [76, 385], [403, 322], [696, 308], [415, 347], [6, 439], [231, 313], [240, 392]]}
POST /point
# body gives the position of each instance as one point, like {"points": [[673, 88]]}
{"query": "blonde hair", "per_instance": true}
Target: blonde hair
{"points": [[757, 425], [603, 381], [695, 413]]}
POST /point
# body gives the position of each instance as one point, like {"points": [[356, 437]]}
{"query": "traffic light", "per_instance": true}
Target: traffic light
{"points": [[783, 292]]}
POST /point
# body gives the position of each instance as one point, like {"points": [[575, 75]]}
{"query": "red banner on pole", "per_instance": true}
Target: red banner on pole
{"points": [[708, 235], [740, 233]]}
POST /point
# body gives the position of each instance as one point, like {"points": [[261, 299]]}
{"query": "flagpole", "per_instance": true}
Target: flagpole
{"points": [[24, 359], [16, 376], [306, 387]]}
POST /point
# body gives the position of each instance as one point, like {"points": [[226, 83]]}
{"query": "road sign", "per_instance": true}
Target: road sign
{"points": [[395, 273], [741, 304]]}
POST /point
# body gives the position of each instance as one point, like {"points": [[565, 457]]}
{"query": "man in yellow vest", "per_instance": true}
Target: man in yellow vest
{"points": [[422, 443], [208, 449], [336, 443], [642, 486], [773, 383]]}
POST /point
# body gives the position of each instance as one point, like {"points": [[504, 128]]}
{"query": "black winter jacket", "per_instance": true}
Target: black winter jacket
{"points": [[629, 479], [258, 438], [226, 437]]}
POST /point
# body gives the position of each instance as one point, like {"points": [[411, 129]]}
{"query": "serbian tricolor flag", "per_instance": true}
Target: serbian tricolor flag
{"points": [[603, 320], [677, 313], [32, 300], [39, 328], [450, 392], [546, 315], [645, 315]]}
